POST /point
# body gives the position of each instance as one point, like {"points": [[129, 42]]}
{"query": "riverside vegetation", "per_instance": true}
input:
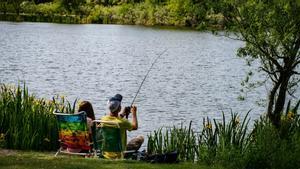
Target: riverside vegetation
{"points": [[27, 123], [189, 13], [270, 30]]}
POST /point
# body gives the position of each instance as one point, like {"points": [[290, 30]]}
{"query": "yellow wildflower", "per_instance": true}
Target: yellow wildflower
{"points": [[208, 126], [290, 115], [47, 102], [2, 136], [237, 120], [62, 97]]}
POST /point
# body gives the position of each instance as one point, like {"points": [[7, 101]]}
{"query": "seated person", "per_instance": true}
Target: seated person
{"points": [[114, 106], [88, 108]]}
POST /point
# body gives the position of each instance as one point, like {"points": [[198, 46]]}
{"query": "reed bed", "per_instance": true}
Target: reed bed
{"points": [[165, 140], [27, 122], [194, 146], [232, 143]]}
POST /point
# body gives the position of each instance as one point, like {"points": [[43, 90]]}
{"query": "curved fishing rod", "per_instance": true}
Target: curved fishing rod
{"points": [[158, 56], [147, 76]]}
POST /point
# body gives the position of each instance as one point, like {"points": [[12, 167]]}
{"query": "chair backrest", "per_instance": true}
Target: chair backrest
{"points": [[73, 131], [109, 136]]}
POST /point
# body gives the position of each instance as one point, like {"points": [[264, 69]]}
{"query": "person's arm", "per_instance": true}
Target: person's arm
{"points": [[134, 118]]}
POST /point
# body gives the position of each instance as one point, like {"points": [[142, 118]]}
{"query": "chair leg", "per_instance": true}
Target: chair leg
{"points": [[94, 154], [58, 151]]}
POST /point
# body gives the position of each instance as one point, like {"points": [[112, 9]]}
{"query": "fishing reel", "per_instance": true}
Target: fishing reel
{"points": [[127, 110]]}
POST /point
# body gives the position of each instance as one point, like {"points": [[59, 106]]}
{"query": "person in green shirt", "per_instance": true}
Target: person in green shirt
{"points": [[116, 115]]}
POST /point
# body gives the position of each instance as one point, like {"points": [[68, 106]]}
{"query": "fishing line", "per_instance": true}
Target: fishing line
{"points": [[158, 56], [147, 75]]}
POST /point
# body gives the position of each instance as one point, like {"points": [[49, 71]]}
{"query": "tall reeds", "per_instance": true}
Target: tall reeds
{"points": [[215, 138], [165, 140], [27, 122], [232, 143]]}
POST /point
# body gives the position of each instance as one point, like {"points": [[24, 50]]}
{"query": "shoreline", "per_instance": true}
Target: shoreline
{"points": [[83, 19]]}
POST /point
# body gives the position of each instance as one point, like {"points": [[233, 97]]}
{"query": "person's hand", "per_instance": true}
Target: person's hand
{"points": [[127, 110], [133, 109]]}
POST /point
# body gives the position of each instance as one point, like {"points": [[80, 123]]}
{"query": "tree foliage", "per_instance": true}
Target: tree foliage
{"points": [[3, 6], [189, 13], [72, 4], [271, 31], [16, 5], [42, 1]]}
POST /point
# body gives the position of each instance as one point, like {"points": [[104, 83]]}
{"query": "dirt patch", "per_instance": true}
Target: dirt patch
{"points": [[6, 152]]}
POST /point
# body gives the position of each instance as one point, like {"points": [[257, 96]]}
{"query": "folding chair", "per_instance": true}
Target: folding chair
{"points": [[74, 135], [109, 137]]}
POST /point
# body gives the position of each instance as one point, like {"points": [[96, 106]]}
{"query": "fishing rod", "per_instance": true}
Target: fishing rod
{"points": [[158, 56]]}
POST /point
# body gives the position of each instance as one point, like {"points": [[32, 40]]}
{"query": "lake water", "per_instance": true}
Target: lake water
{"points": [[198, 76]]}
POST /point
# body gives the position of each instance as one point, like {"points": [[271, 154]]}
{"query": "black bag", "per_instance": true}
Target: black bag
{"points": [[163, 158]]}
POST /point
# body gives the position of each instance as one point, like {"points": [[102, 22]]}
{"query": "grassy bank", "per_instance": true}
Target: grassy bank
{"points": [[34, 160]]}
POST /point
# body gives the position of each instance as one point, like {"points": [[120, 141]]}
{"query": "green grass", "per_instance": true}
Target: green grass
{"points": [[37, 160]]}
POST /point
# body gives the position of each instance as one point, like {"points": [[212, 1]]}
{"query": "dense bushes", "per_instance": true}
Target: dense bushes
{"points": [[176, 13], [148, 12]]}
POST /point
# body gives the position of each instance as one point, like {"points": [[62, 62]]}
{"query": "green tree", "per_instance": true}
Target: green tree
{"points": [[16, 5], [3, 6], [271, 31], [42, 1], [71, 4]]}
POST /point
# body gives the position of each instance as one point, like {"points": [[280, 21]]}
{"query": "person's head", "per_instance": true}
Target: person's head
{"points": [[88, 108], [114, 104]]}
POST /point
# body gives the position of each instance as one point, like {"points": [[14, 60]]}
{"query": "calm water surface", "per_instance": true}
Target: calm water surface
{"points": [[198, 76]]}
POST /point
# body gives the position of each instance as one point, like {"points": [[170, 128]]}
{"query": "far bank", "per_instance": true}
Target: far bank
{"points": [[179, 14]]}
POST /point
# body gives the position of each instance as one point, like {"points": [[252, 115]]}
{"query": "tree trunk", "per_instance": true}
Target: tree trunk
{"points": [[282, 85], [272, 99], [17, 7]]}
